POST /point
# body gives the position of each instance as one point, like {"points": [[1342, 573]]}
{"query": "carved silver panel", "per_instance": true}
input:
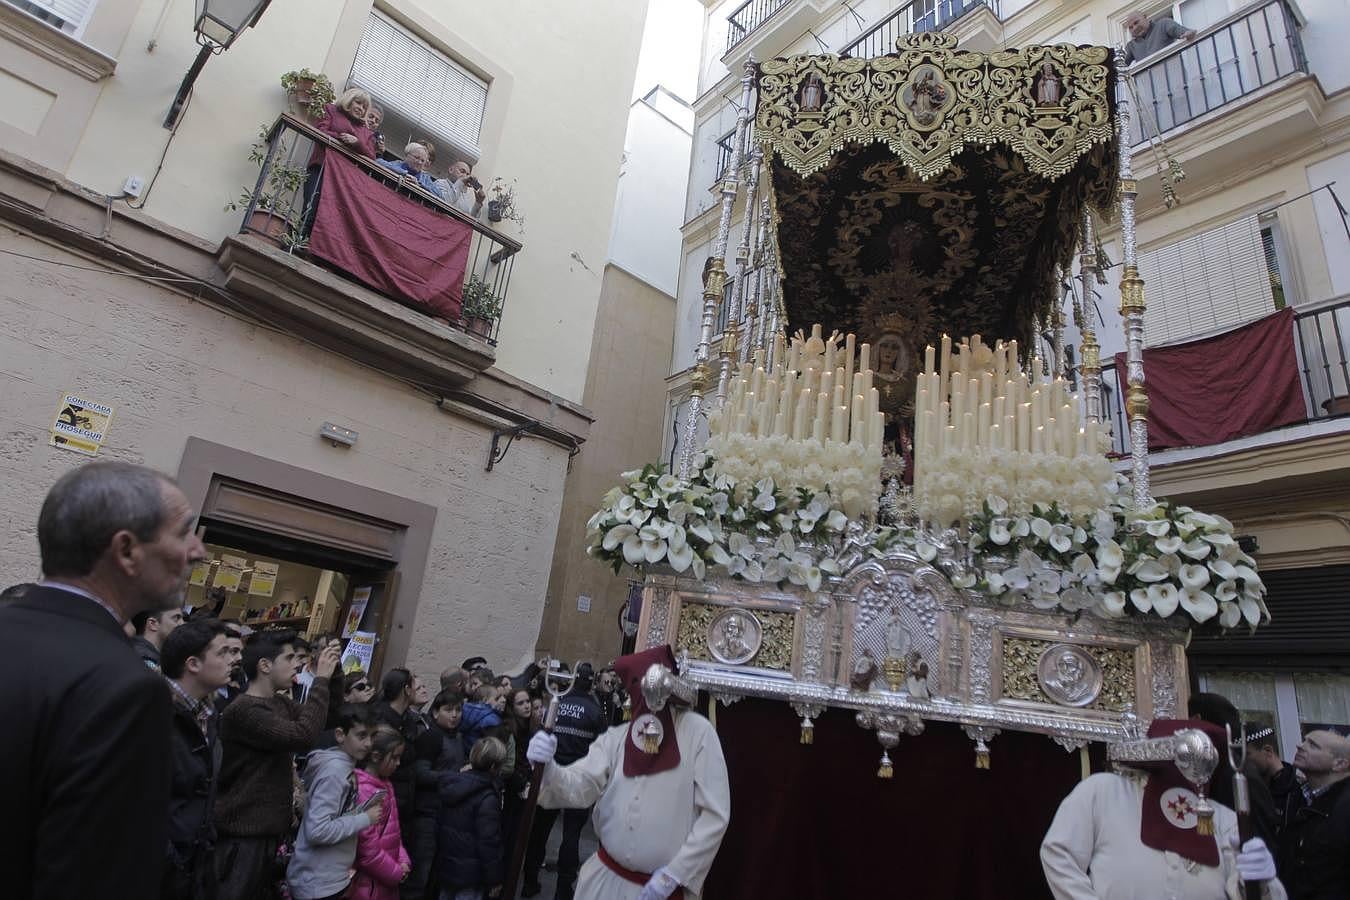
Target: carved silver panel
{"points": [[1069, 675]]}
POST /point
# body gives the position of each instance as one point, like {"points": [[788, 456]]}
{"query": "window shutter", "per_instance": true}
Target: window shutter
{"points": [[421, 84], [74, 14], [1209, 282]]}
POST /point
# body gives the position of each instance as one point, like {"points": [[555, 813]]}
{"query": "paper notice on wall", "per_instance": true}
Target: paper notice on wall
{"points": [[201, 571], [360, 597], [230, 573], [81, 424], [583, 603], [264, 580], [359, 653]]}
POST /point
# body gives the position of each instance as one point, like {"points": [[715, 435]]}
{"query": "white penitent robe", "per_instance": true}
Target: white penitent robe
{"points": [[674, 818], [1093, 851]]}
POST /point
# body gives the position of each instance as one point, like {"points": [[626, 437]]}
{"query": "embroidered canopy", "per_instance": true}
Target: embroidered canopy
{"points": [[934, 190]]}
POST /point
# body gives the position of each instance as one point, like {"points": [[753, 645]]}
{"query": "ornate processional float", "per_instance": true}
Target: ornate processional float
{"points": [[902, 518]]}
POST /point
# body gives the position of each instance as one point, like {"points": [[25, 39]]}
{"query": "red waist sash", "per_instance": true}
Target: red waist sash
{"points": [[629, 875]]}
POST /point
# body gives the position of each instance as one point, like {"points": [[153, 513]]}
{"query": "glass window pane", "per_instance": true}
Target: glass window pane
{"points": [[1323, 702], [1252, 693]]}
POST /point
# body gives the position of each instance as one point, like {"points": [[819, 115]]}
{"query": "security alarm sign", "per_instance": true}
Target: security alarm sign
{"points": [[81, 424]]}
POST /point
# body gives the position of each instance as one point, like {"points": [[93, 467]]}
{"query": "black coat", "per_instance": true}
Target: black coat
{"points": [[469, 831], [85, 762], [1315, 847], [192, 801]]}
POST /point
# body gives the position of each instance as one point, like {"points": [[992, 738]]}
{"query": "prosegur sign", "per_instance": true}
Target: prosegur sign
{"points": [[81, 424]]}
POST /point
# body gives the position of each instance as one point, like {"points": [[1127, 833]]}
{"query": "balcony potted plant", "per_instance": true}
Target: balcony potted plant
{"points": [[309, 92], [276, 214], [481, 307], [502, 206]]}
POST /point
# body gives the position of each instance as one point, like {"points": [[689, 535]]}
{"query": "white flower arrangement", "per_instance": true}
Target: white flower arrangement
{"points": [[850, 472], [753, 530], [954, 486], [1115, 561]]}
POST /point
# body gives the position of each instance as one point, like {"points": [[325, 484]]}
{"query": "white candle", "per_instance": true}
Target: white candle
{"points": [[879, 429], [838, 416], [1024, 428], [967, 431], [983, 423], [928, 359], [864, 359], [1051, 431], [857, 421]]}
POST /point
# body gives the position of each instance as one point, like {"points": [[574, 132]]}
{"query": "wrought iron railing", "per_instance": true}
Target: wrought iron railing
{"points": [[915, 16], [280, 209], [1235, 57], [748, 16], [725, 144], [1322, 340]]}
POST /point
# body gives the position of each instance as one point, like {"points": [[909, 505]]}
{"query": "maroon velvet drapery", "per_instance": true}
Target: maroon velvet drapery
{"points": [[814, 821], [1241, 382], [388, 242]]}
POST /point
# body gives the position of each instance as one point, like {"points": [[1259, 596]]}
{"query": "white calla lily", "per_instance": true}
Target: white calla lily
{"points": [[1200, 604], [1197, 549], [1158, 528], [1149, 570], [617, 535], [994, 583], [1251, 610], [1222, 568], [1110, 554], [925, 551], [1113, 604], [1166, 598], [1169, 544], [964, 580], [1061, 538], [1229, 615], [1041, 528], [1142, 599], [999, 533], [700, 568], [1226, 591], [1194, 576], [997, 505], [680, 557], [667, 483]]}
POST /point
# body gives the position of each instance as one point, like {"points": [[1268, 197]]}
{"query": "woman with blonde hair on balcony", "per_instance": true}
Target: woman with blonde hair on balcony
{"points": [[344, 120]]}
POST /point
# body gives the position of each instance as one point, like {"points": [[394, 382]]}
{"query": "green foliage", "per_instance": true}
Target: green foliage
{"points": [[479, 300], [321, 91]]}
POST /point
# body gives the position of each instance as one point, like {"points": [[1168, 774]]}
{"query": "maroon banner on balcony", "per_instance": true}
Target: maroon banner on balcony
{"points": [[388, 242], [1238, 383]]}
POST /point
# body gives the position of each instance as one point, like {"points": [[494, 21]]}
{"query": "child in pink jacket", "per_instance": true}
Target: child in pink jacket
{"points": [[381, 861]]}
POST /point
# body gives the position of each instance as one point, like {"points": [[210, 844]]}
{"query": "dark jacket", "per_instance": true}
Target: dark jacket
{"points": [[415, 729], [85, 763], [147, 651], [450, 757], [1315, 857], [425, 745], [192, 801], [469, 831], [580, 721]]}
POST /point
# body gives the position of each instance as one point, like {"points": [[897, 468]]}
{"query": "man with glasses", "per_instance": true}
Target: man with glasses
{"points": [[1315, 858]]}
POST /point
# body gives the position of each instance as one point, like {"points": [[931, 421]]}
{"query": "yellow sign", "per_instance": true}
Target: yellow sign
{"points": [[80, 424], [264, 580], [200, 572], [360, 598], [230, 573]]}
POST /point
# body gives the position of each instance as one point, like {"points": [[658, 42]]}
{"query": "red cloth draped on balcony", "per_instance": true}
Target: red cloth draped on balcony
{"points": [[388, 242], [1238, 383]]}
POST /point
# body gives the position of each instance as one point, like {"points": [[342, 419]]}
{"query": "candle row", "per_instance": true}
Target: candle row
{"points": [[975, 397], [814, 389]]}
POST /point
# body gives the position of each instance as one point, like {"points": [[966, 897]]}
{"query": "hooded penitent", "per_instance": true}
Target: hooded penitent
{"points": [[651, 746], [1171, 817]]}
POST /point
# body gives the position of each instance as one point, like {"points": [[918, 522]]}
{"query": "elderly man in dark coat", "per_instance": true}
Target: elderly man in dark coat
{"points": [[85, 764]]}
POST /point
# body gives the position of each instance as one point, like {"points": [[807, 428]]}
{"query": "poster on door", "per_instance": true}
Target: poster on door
{"points": [[231, 572], [360, 599], [81, 424], [264, 580], [359, 653]]}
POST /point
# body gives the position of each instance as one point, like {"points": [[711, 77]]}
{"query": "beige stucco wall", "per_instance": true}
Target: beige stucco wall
{"points": [[557, 108], [175, 367], [626, 392]]}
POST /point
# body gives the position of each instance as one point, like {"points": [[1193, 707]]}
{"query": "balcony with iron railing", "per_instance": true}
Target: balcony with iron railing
{"points": [[270, 261], [1225, 63], [1321, 338], [748, 16], [914, 17]]}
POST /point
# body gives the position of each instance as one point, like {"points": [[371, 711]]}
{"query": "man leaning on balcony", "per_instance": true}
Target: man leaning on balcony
{"points": [[1148, 36], [413, 166]]}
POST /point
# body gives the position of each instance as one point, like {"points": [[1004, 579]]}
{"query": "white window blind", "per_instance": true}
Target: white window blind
{"points": [[404, 73], [68, 15], [1206, 283]]}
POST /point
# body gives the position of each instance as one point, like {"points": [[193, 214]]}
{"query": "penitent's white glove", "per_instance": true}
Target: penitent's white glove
{"points": [[660, 886], [1255, 863], [542, 747]]}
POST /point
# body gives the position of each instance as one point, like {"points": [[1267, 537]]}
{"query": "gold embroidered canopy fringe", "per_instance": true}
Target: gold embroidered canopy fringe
{"points": [[935, 190]]}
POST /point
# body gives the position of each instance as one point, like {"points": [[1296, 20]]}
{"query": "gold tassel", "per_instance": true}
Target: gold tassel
{"points": [[886, 770], [808, 731], [650, 744], [627, 708], [1204, 824], [982, 758]]}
